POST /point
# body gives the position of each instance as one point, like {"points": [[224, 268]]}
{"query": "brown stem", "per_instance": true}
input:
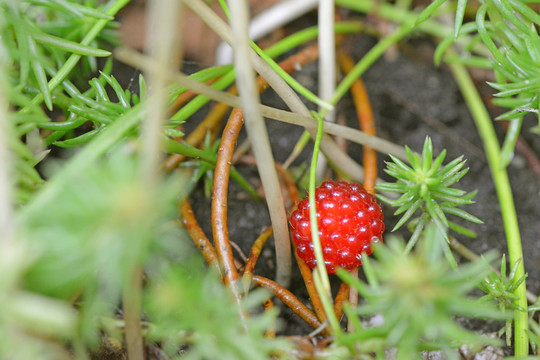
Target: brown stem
{"points": [[222, 170], [366, 120], [341, 297], [353, 299], [367, 125], [197, 234], [219, 200], [254, 256], [289, 299], [271, 331]]}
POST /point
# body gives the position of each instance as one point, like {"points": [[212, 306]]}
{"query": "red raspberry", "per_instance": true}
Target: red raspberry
{"points": [[349, 221]]}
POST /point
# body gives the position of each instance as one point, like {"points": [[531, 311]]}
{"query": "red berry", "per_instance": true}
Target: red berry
{"points": [[349, 221]]}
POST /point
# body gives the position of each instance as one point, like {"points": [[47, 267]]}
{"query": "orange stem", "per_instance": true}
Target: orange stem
{"points": [[219, 199], [271, 331], [289, 299], [197, 234], [366, 120], [367, 125], [254, 256], [341, 297]]}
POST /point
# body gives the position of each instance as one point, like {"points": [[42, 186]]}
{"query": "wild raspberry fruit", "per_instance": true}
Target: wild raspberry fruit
{"points": [[349, 221]]}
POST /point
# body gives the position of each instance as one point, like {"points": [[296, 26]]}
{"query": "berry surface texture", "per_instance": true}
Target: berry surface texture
{"points": [[349, 221]]}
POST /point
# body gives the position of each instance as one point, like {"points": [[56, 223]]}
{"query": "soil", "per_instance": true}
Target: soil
{"points": [[411, 99]]}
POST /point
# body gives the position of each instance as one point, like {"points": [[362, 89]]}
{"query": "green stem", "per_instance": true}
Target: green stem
{"points": [[174, 147], [322, 283], [504, 192]]}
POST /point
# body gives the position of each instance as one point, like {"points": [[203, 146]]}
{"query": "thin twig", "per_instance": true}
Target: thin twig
{"points": [[366, 121], [197, 234], [271, 331], [367, 124], [185, 97], [341, 297], [132, 306], [279, 85], [288, 299], [219, 203], [254, 253], [327, 65], [258, 137], [304, 268], [340, 159], [162, 17]]}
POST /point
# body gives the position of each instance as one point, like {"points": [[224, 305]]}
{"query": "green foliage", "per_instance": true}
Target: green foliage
{"points": [[94, 106], [41, 34], [28, 320], [88, 238], [507, 28], [418, 295], [205, 169], [426, 186], [189, 306], [502, 289]]}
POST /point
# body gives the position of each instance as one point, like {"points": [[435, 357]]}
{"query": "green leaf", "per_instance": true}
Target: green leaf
{"points": [[509, 14], [449, 180], [461, 230], [510, 140], [428, 11], [72, 8], [118, 90], [69, 46], [410, 212], [526, 11], [79, 140], [437, 163], [451, 168], [461, 213], [396, 187], [460, 13], [399, 164], [427, 155], [39, 72], [414, 159]]}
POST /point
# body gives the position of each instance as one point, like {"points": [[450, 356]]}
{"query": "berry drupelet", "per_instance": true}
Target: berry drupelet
{"points": [[349, 221]]}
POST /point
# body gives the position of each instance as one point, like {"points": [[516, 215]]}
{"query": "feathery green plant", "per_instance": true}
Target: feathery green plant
{"points": [[182, 306], [507, 28], [425, 185], [417, 295], [87, 239], [502, 289]]}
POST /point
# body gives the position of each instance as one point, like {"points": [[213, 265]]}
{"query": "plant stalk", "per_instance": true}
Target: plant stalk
{"points": [[258, 137], [320, 275], [504, 192], [327, 65], [132, 299]]}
